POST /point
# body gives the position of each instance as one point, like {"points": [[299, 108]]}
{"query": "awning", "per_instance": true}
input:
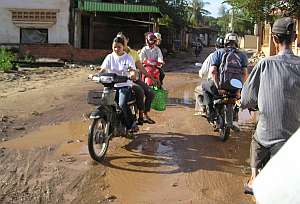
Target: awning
{"points": [[94, 6]]}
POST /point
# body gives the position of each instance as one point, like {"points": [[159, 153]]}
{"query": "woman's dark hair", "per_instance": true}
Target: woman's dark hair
{"points": [[284, 39], [287, 38], [119, 40]]}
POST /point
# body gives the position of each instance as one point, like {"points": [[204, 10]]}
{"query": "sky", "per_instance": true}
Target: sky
{"points": [[213, 7]]}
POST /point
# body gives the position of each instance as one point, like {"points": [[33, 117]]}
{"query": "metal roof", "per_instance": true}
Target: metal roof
{"points": [[89, 5]]}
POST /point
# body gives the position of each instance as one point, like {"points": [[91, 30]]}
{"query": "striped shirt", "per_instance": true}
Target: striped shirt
{"points": [[274, 86]]}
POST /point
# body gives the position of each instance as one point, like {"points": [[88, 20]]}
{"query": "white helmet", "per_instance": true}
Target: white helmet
{"points": [[231, 37], [158, 36]]}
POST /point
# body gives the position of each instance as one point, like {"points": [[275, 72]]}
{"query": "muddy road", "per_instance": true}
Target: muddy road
{"points": [[44, 158]]}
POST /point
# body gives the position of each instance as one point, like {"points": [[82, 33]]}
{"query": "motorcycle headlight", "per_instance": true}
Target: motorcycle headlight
{"points": [[106, 79]]}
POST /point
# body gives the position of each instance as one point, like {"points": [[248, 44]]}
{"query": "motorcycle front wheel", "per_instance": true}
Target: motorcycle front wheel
{"points": [[98, 139], [224, 133]]}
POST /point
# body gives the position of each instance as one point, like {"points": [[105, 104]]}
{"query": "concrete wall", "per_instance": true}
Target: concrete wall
{"points": [[58, 33], [249, 42], [63, 51]]}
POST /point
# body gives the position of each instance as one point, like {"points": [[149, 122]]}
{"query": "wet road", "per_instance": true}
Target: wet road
{"points": [[177, 160]]}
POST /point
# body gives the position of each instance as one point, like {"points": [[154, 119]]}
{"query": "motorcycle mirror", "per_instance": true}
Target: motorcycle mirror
{"points": [[236, 83]]}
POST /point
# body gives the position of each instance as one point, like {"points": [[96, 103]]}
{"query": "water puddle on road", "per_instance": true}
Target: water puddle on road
{"points": [[247, 120], [136, 170], [184, 97], [68, 136]]}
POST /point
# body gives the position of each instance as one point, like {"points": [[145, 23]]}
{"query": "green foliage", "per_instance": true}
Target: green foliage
{"points": [[180, 13], [261, 10], [174, 13], [196, 12], [6, 58]]}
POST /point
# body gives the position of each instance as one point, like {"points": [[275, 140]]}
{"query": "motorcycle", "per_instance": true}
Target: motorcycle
{"points": [[152, 67], [225, 106], [107, 119]]}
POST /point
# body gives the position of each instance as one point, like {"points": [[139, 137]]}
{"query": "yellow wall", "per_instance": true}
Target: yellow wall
{"points": [[249, 42]]}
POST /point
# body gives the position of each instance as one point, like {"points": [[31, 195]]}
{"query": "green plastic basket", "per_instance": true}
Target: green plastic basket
{"points": [[160, 100]]}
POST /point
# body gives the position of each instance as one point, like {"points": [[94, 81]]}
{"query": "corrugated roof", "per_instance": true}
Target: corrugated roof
{"points": [[88, 5]]}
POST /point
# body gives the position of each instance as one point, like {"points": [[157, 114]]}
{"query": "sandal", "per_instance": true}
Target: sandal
{"points": [[247, 189], [140, 121], [147, 119]]}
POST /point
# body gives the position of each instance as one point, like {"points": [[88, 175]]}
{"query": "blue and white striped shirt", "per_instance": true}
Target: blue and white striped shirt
{"points": [[274, 86]]}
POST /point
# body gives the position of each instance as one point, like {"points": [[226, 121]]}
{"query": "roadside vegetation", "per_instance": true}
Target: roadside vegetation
{"points": [[6, 59]]}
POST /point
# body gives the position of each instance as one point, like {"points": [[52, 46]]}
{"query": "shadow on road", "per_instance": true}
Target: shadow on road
{"points": [[171, 153]]}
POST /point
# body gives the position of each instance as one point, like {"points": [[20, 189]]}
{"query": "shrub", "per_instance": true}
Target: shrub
{"points": [[6, 58]]}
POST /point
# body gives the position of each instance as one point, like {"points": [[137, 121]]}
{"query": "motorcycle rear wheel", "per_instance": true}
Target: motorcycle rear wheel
{"points": [[98, 139]]}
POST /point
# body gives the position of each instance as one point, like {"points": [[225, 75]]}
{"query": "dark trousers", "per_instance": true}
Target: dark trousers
{"points": [[260, 155], [161, 75], [141, 90], [210, 92]]}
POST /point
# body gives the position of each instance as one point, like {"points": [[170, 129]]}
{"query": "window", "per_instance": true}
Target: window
{"points": [[32, 35], [33, 15]]}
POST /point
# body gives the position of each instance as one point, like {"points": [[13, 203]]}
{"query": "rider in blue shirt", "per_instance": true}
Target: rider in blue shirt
{"points": [[211, 87]]}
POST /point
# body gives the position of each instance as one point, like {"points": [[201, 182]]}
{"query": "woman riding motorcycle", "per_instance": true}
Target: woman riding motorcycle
{"points": [[152, 51], [140, 89], [121, 63]]}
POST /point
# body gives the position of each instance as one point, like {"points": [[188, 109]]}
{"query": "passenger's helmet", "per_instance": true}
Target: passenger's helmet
{"points": [[158, 36], [220, 42], [151, 39], [231, 38]]}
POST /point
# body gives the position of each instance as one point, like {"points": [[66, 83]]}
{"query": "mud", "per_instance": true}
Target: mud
{"points": [[180, 159]]}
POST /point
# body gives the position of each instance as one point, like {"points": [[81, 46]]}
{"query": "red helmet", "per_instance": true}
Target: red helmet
{"points": [[151, 39]]}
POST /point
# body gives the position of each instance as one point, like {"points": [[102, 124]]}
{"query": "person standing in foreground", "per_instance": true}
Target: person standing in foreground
{"points": [[273, 86]]}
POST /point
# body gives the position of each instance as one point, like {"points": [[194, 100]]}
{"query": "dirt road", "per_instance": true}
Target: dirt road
{"points": [[179, 159]]}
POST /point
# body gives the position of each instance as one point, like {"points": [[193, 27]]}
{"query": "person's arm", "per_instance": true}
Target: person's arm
{"points": [[204, 70], [249, 96], [245, 74], [140, 67], [213, 70], [244, 65], [160, 55], [143, 55], [105, 66]]}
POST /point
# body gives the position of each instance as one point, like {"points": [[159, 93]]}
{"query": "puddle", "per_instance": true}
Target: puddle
{"points": [[184, 98], [68, 136], [247, 121]]}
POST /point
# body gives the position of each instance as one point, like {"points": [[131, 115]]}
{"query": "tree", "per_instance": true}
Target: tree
{"points": [[196, 12], [261, 10], [174, 12]]}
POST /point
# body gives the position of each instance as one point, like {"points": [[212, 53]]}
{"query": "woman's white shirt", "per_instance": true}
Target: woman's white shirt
{"points": [[119, 65]]}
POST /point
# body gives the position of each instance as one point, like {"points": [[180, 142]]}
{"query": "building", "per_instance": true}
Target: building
{"points": [[79, 30], [29, 21], [98, 22], [265, 42]]}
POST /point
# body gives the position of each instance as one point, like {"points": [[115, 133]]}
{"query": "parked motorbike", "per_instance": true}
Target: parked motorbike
{"points": [[152, 68], [107, 119], [224, 108]]}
